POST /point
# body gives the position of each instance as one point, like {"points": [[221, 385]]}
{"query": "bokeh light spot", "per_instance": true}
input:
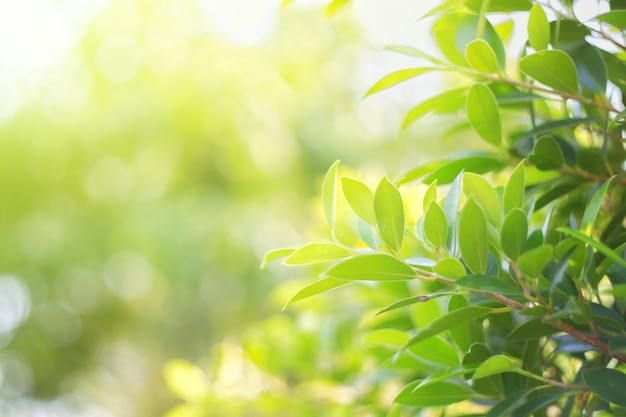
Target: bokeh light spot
{"points": [[14, 303], [128, 275]]}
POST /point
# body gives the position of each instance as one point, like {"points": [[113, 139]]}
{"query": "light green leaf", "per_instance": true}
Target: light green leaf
{"points": [[513, 233], [329, 195], [407, 302], [429, 195], [317, 287], [538, 28], [473, 237], [500, 5], [615, 18], [374, 267], [546, 154], [431, 395], [360, 198], [593, 207], [495, 365], [435, 350], [416, 53], [395, 78], [478, 164], [484, 194], [483, 113], [447, 374], [445, 102], [435, 225], [275, 254], [488, 284], [599, 246], [316, 253], [451, 208], [514, 190], [450, 268], [553, 68], [449, 320], [607, 384], [389, 211], [368, 234], [389, 337], [532, 262], [481, 56], [335, 6]]}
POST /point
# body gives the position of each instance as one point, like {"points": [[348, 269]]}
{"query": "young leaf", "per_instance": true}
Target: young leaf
{"points": [[538, 28], [360, 198], [532, 262], [396, 77], [483, 113], [546, 154], [450, 268], [441, 103], [447, 321], [317, 287], [374, 267], [473, 237], [329, 195], [389, 211], [593, 207], [483, 193], [514, 190], [513, 233], [316, 253], [429, 195], [481, 56], [275, 254], [553, 68], [432, 395], [435, 225], [451, 208]]}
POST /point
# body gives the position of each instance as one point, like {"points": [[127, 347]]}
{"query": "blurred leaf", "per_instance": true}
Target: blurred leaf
{"points": [[532, 329], [514, 190], [504, 406], [374, 267], [483, 113], [451, 208], [360, 198], [329, 195], [481, 56], [335, 6], [416, 53], [368, 233], [395, 78], [316, 252], [617, 344], [430, 195], [185, 379], [435, 350], [513, 233], [553, 68], [389, 210], [447, 374], [450, 268], [478, 164], [446, 102], [484, 195], [500, 5], [536, 403], [389, 337], [593, 207], [488, 284], [444, 7], [615, 18], [538, 28], [607, 383], [590, 66], [317, 287], [533, 261], [275, 254], [619, 116], [435, 394], [435, 225], [557, 125], [546, 154], [473, 237], [451, 319], [599, 246]]}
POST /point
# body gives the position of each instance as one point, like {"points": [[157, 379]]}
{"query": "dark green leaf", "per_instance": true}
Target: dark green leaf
{"points": [[483, 113], [591, 68], [616, 18], [504, 406], [360, 198], [553, 68], [546, 154], [473, 237], [315, 253], [395, 78], [318, 287], [389, 211], [534, 404], [488, 284], [513, 233], [374, 267], [607, 383], [451, 319]]}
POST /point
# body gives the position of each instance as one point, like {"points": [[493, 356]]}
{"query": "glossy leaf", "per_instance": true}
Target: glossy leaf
{"points": [[481, 57], [599, 246], [329, 195], [450, 268], [360, 198], [395, 78], [533, 261], [315, 253], [473, 237], [483, 113], [593, 207], [488, 284], [538, 28], [484, 195], [553, 68], [445, 102], [374, 267], [431, 395], [514, 190], [275, 254], [513, 233], [435, 225], [451, 319], [389, 211], [546, 154], [317, 287]]}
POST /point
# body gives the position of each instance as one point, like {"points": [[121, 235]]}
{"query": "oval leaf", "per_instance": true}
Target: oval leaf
{"points": [[484, 194], [532, 262], [473, 237], [538, 28], [375, 267], [389, 211], [514, 190], [360, 198], [450, 268], [546, 154], [483, 113], [513, 233], [607, 383], [446, 102], [431, 395], [316, 253], [481, 56], [553, 68], [436, 225]]}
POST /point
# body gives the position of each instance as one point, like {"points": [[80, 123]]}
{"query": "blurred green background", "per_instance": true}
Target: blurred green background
{"points": [[150, 153]]}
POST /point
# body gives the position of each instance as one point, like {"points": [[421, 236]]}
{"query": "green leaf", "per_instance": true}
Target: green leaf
{"points": [[368, 234], [590, 66], [407, 302], [557, 125], [478, 164], [484, 194], [447, 101], [316, 253], [488, 284], [553, 68], [514, 190], [451, 208], [416, 53], [599, 246], [451, 319], [389, 211], [546, 154], [535, 403], [532, 329], [538, 28], [473, 237], [275, 254], [500, 5], [483, 113], [504, 406], [435, 350], [317, 287], [447, 374], [607, 384], [450, 268], [532, 262], [615, 18], [618, 117], [593, 207], [360, 198], [481, 56], [329, 195], [495, 365], [374, 267], [395, 78], [513, 233], [436, 225], [389, 337], [432, 395], [335, 6], [429, 195]]}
